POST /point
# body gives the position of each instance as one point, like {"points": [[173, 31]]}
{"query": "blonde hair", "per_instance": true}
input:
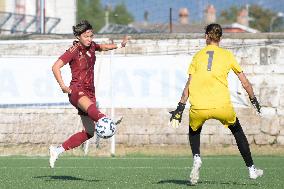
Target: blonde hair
{"points": [[214, 32]]}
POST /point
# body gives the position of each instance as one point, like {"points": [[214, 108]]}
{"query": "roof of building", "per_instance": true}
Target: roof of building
{"points": [[176, 28], [241, 28]]}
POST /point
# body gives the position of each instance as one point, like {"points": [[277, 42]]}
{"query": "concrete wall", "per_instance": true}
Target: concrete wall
{"points": [[260, 55]]}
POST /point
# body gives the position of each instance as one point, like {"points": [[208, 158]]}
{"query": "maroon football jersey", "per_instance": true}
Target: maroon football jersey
{"points": [[81, 60]]}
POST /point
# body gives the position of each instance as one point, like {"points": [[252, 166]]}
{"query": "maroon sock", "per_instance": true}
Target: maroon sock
{"points": [[76, 140], [94, 113]]}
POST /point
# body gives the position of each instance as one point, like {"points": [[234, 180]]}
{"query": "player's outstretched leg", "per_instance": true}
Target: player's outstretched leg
{"points": [[72, 142], [244, 149], [194, 139]]}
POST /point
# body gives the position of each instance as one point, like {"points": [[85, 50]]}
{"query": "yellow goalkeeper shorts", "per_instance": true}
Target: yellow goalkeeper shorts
{"points": [[226, 115]]}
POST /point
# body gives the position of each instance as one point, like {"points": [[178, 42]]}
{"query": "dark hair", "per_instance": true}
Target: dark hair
{"points": [[214, 32], [81, 27]]}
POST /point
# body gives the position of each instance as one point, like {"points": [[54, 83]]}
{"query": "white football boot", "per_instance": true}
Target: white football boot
{"points": [[194, 175], [53, 155], [118, 120], [254, 172]]}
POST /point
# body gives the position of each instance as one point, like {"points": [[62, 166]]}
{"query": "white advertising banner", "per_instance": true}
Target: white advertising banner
{"points": [[28, 80], [134, 81]]}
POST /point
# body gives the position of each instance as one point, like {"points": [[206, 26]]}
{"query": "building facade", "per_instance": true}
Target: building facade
{"points": [[24, 16]]}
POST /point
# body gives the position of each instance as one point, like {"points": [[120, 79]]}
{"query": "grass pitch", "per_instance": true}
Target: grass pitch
{"points": [[137, 172]]}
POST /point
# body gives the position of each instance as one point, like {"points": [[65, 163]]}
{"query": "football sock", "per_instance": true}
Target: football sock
{"points": [[251, 167], [59, 149], [196, 155], [76, 140], [242, 142], [94, 113], [194, 140]]}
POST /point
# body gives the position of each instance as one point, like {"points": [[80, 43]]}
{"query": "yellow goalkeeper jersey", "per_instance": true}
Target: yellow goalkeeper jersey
{"points": [[209, 70]]}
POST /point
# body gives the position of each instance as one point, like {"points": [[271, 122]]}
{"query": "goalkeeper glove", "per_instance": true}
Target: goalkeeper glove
{"points": [[255, 104], [176, 117]]}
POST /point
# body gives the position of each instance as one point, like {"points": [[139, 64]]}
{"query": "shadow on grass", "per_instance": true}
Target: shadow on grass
{"points": [[228, 183], [63, 177], [207, 182], [180, 182]]}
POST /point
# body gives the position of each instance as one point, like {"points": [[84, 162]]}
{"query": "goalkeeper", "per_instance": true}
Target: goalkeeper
{"points": [[208, 93]]}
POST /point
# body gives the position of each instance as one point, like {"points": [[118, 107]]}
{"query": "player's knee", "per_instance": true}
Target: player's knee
{"points": [[235, 127], [89, 135], [88, 124], [94, 113], [90, 131]]}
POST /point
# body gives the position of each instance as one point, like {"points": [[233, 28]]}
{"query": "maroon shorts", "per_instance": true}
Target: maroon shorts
{"points": [[76, 94]]}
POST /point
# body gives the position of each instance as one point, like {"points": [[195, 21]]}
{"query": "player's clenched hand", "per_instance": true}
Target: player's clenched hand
{"points": [[176, 115], [255, 104], [66, 89]]}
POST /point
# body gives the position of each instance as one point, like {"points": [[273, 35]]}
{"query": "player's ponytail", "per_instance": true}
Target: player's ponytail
{"points": [[214, 32]]}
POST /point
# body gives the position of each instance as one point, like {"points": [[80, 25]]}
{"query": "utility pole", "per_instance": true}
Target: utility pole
{"points": [[42, 16], [248, 18], [107, 9], [106, 17], [171, 21]]}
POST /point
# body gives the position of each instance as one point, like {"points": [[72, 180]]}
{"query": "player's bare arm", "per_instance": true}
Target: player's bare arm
{"points": [[247, 86], [185, 92], [57, 74], [106, 47]]}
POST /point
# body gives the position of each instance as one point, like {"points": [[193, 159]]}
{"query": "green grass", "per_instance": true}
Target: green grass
{"points": [[136, 172]]}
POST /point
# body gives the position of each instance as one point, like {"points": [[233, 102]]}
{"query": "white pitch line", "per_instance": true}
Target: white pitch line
{"points": [[103, 168], [137, 158], [178, 168]]}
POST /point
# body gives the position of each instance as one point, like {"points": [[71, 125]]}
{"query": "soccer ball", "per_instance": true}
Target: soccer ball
{"points": [[105, 128]]}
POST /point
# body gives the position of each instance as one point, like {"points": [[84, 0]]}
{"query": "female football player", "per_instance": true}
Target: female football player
{"points": [[81, 57], [209, 97]]}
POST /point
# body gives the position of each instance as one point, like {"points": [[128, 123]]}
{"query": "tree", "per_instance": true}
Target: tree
{"points": [[260, 17], [278, 25], [94, 12], [120, 15], [229, 16]]}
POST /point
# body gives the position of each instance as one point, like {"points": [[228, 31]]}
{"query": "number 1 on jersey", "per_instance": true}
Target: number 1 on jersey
{"points": [[210, 59]]}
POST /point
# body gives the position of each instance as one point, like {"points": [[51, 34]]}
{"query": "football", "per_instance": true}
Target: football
{"points": [[105, 128]]}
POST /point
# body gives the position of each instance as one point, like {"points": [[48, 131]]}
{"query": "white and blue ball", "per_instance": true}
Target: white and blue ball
{"points": [[105, 128]]}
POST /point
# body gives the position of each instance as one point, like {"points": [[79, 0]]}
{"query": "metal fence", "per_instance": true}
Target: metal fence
{"points": [[23, 23]]}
